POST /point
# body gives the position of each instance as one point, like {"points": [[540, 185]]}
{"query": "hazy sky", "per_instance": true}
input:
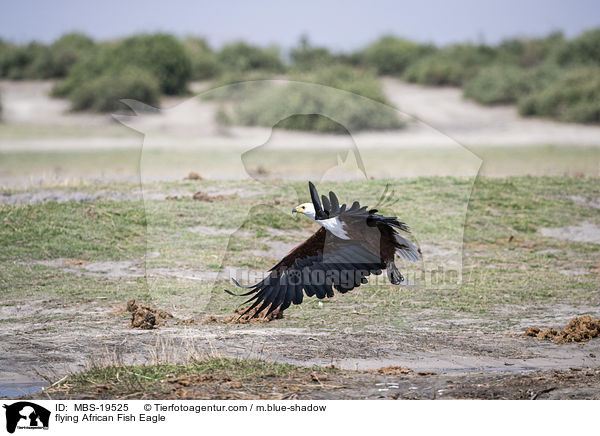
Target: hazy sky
{"points": [[336, 24]]}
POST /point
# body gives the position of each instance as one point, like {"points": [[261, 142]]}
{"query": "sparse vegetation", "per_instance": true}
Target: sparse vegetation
{"points": [[573, 97], [205, 64], [449, 66], [391, 55], [503, 84], [140, 67], [582, 50], [241, 57], [39, 61], [102, 93], [522, 71], [272, 104]]}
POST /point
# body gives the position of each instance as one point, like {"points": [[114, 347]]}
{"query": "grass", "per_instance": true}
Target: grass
{"points": [[160, 380], [12, 131], [510, 270], [506, 260], [124, 164], [101, 230]]}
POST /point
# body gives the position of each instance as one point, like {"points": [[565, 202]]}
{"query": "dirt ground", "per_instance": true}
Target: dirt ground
{"points": [[466, 362], [574, 383]]}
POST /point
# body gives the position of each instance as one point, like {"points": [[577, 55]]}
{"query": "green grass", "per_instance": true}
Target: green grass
{"points": [[129, 375], [161, 379], [500, 271], [94, 231]]}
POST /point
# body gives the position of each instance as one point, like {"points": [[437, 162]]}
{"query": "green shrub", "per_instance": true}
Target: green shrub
{"points": [[355, 80], [96, 63], [160, 59], [67, 50], [39, 61], [20, 62], [391, 55], [585, 49], [243, 57], [573, 97], [502, 84], [451, 66], [103, 92], [313, 101], [438, 70], [305, 57], [356, 113], [160, 54], [204, 62], [529, 52]]}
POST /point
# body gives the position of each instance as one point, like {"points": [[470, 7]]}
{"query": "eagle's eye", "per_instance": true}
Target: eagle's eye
{"points": [[302, 209]]}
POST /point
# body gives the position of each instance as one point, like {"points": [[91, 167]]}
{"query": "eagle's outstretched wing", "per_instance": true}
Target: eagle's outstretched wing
{"points": [[316, 267]]}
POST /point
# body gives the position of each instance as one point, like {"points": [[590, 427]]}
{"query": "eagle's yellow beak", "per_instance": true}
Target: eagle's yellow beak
{"points": [[295, 210]]}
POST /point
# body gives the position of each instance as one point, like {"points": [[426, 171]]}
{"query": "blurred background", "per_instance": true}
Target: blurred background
{"points": [[517, 83]]}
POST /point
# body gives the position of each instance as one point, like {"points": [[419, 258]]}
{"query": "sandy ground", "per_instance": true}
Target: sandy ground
{"points": [[442, 112], [473, 124]]}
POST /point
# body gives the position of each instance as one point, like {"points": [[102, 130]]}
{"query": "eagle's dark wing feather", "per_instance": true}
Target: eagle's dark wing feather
{"points": [[314, 196], [316, 267]]}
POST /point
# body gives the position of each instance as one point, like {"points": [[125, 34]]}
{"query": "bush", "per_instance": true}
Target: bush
{"points": [[203, 59], [161, 59], [293, 99], [38, 61], [391, 55], [20, 62], [573, 97], [86, 70], [502, 84], [451, 66], [355, 80], [529, 53], [357, 113], [102, 93], [242, 57], [304, 57], [584, 50], [67, 50], [160, 54]]}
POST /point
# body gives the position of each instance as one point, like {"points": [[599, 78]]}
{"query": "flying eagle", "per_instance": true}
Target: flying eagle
{"points": [[351, 244]]}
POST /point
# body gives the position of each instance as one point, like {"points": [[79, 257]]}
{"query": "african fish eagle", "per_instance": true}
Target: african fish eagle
{"points": [[351, 244]]}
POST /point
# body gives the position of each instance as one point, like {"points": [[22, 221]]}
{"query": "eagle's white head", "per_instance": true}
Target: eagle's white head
{"points": [[307, 209]]}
